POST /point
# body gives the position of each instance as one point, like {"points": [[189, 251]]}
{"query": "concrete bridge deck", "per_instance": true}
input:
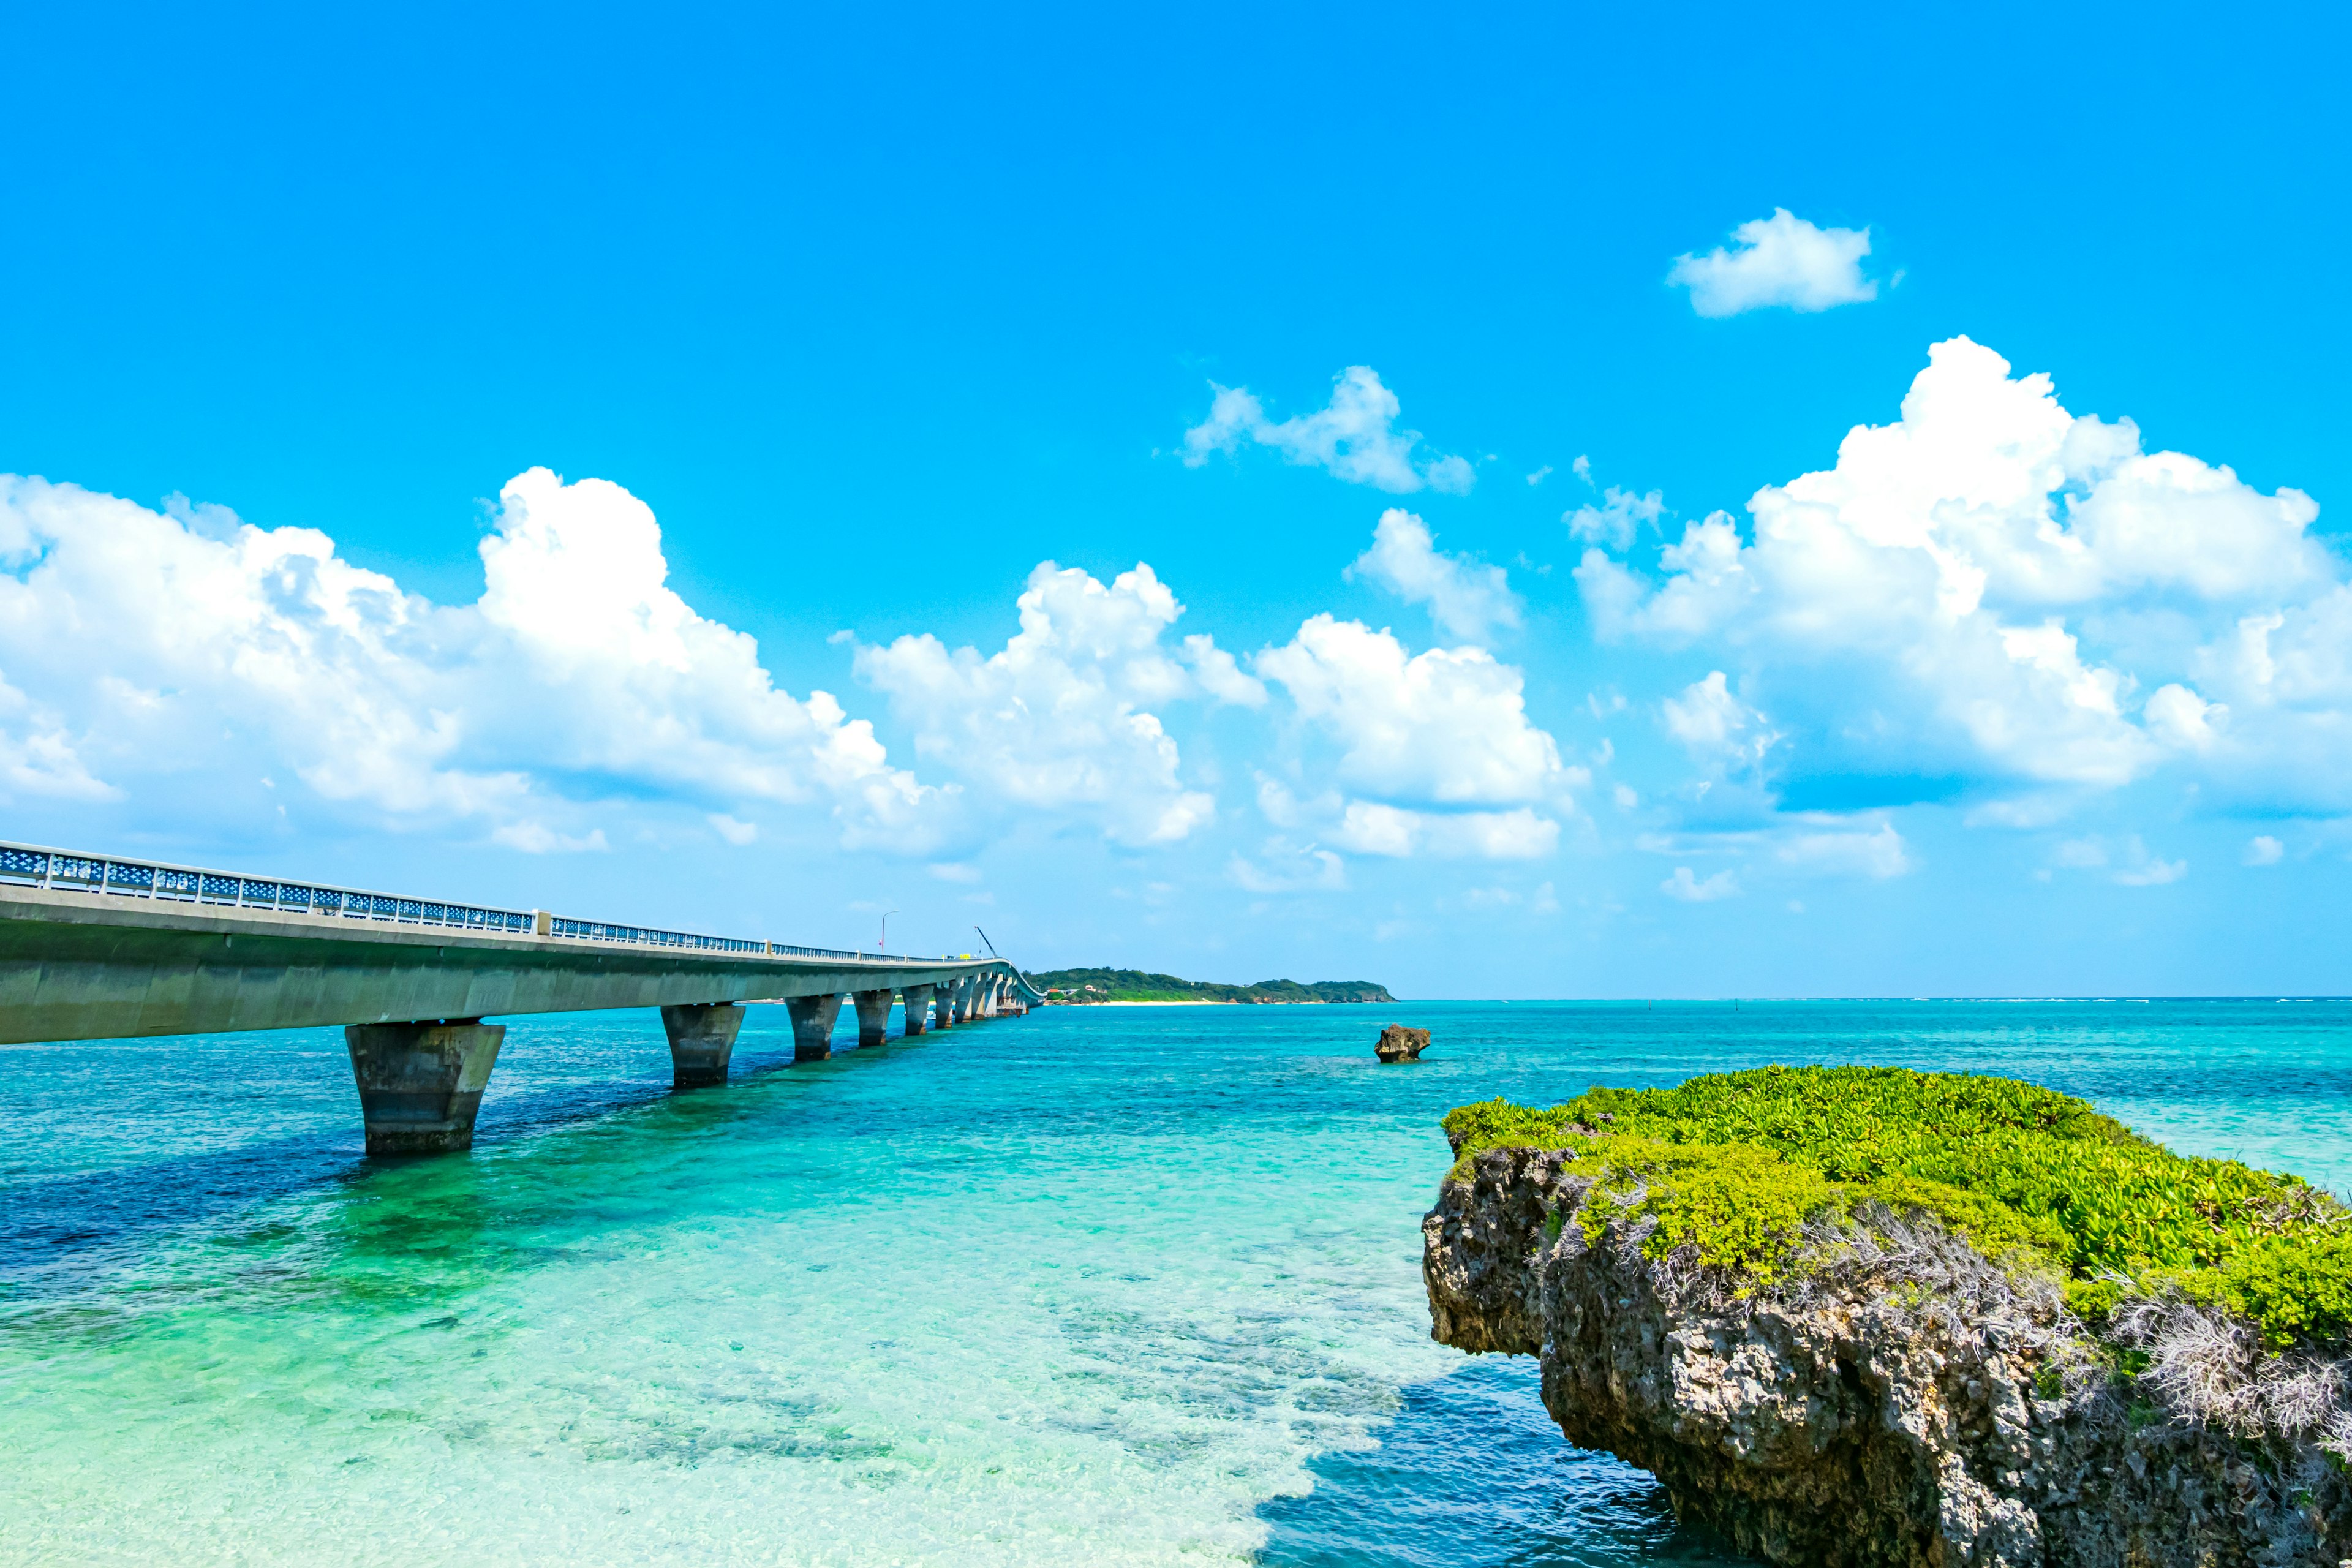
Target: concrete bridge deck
{"points": [[97, 948]]}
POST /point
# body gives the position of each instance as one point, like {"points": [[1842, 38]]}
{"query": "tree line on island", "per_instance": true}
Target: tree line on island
{"points": [[1083, 985]]}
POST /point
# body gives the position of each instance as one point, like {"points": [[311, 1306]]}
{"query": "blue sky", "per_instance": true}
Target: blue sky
{"points": [[860, 318]]}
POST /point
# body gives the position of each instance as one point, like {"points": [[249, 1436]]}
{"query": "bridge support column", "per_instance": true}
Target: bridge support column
{"points": [[701, 1041], [420, 1084], [943, 1000], [813, 1020], [919, 1007], [873, 1015]]}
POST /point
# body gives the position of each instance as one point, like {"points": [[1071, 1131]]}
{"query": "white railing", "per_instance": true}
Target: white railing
{"points": [[28, 864]]}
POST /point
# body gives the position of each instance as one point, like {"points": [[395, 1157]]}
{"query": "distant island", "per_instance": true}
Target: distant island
{"points": [[1084, 986]]}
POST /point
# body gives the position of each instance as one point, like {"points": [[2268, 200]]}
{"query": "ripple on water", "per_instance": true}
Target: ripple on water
{"points": [[1130, 1285]]}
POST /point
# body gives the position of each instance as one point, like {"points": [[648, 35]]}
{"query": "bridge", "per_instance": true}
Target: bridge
{"points": [[97, 948]]}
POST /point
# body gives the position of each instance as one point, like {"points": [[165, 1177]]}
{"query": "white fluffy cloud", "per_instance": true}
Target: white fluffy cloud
{"points": [[1778, 260], [1397, 832], [1355, 436], [1447, 726], [185, 653], [1370, 827], [1715, 727], [1467, 599], [1435, 753], [1618, 518], [1061, 717], [1993, 593]]}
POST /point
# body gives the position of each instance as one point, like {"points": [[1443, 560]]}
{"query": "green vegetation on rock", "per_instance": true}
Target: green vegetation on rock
{"points": [[1733, 1165], [1136, 985]]}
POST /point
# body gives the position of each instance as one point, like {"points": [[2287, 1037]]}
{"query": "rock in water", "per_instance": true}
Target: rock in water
{"points": [[1913, 1406], [1399, 1044]]}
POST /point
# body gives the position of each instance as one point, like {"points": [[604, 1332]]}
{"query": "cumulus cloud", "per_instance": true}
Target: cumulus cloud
{"points": [[1778, 260], [1058, 717], [1467, 599], [1435, 753], [1715, 726], [1447, 726], [1370, 827], [1396, 832], [2262, 849], [1616, 520], [1354, 437], [1992, 592], [183, 652]]}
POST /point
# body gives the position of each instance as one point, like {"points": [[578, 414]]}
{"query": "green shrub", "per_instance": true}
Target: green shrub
{"points": [[1733, 1164]]}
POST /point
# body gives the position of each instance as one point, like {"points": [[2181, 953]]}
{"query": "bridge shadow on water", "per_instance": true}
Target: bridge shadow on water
{"points": [[1474, 1474], [292, 1125]]}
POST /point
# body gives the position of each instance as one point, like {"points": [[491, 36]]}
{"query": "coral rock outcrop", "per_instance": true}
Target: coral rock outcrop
{"points": [[1399, 1044], [1901, 1403]]}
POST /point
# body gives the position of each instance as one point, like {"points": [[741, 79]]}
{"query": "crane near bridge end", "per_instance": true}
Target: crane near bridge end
{"points": [[96, 948]]}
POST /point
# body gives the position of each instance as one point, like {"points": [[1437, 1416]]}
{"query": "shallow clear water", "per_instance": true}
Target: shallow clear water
{"points": [[1115, 1285]]}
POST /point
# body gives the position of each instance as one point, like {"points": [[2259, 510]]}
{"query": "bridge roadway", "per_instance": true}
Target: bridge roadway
{"points": [[96, 948]]}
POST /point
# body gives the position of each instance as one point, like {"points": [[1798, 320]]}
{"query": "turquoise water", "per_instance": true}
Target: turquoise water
{"points": [[1132, 1285]]}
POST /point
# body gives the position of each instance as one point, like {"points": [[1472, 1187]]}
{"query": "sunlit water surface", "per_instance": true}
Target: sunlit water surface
{"points": [[1132, 1285]]}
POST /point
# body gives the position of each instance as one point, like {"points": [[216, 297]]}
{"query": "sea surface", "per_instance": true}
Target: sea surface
{"points": [[1109, 1285]]}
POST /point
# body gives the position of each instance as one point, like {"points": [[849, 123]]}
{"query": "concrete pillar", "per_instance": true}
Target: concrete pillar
{"points": [[919, 1007], [944, 1000], [988, 998], [873, 1015], [701, 1041], [420, 1084], [812, 1019]]}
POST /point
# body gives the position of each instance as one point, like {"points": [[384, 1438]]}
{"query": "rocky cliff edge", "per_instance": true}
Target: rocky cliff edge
{"points": [[1898, 1400]]}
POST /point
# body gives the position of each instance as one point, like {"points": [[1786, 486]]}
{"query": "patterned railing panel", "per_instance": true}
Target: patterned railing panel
{"points": [[28, 865], [598, 930], [25, 864]]}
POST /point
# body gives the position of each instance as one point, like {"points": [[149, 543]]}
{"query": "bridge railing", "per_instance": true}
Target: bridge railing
{"points": [[28, 864]]}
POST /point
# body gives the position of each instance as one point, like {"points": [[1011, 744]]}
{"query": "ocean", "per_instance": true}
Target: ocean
{"points": [[1130, 1285]]}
